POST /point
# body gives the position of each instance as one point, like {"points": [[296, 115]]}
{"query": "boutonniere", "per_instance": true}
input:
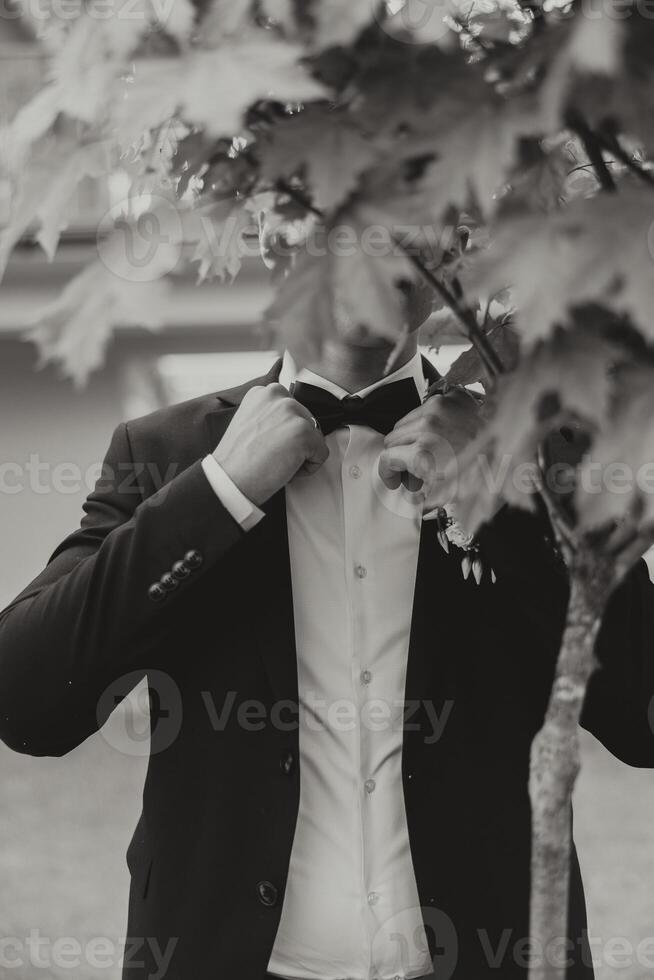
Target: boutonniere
{"points": [[451, 534]]}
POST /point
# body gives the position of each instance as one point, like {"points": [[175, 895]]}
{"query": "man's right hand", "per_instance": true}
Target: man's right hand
{"points": [[270, 439]]}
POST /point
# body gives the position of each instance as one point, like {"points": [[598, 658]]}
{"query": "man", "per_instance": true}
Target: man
{"points": [[345, 795]]}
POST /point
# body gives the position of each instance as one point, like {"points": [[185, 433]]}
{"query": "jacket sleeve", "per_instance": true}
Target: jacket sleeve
{"points": [[619, 707], [88, 619]]}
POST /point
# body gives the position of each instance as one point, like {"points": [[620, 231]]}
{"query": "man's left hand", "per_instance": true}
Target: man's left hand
{"points": [[422, 444]]}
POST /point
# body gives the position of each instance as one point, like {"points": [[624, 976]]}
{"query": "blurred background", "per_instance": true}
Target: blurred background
{"points": [[65, 823]]}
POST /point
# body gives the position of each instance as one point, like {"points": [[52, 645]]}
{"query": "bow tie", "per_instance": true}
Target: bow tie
{"points": [[379, 410]]}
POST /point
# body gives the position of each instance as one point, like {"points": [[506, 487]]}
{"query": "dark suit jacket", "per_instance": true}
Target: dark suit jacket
{"points": [[210, 855]]}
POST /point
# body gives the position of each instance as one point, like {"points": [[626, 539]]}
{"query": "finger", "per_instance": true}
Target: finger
{"points": [[318, 452], [403, 435], [413, 416], [304, 413], [394, 462], [411, 482], [276, 389]]}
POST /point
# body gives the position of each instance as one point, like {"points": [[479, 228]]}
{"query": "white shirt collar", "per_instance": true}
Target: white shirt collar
{"points": [[412, 369]]}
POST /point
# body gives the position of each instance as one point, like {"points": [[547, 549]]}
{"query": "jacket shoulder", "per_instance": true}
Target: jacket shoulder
{"points": [[167, 441], [173, 420]]}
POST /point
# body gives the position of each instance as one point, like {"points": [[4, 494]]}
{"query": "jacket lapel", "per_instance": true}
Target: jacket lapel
{"points": [[436, 602], [268, 563]]}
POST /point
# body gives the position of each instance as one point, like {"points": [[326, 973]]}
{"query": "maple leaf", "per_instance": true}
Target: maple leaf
{"points": [[75, 329], [177, 17], [218, 86], [51, 175], [331, 148], [302, 311], [281, 12], [398, 86], [225, 19], [145, 98], [497, 21], [474, 148], [540, 179], [596, 250], [615, 479], [342, 287], [604, 71], [220, 244], [30, 124], [366, 282], [565, 379], [341, 21], [212, 88], [426, 21], [84, 70], [460, 137]]}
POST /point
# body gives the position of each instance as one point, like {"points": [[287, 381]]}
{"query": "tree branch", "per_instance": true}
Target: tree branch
{"points": [[466, 317], [296, 194], [593, 148], [611, 143]]}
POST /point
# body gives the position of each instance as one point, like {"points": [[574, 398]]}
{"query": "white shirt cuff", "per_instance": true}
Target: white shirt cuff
{"points": [[233, 500]]}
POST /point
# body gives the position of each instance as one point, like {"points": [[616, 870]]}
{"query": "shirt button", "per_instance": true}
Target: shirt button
{"points": [[370, 786], [373, 898], [360, 571], [355, 472], [366, 676]]}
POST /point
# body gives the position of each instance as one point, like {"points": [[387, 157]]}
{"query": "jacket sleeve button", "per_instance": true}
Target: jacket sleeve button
{"points": [[267, 893], [193, 558], [156, 592], [180, 570], [168, 582]]}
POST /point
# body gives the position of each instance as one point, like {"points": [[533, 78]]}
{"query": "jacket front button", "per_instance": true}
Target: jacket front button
{"points": [[181, 570], [156, 592], [168, 582], [267, 893], [287, 763], [193, 558]]}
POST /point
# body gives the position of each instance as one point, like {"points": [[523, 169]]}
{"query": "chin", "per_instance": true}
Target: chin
{"points": [[362, 338]]}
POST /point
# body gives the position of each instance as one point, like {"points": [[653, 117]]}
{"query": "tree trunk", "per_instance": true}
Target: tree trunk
{"points": [[555, 765]]}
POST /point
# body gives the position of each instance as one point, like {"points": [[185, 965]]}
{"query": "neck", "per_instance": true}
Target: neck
{"points": [[353, 368]]}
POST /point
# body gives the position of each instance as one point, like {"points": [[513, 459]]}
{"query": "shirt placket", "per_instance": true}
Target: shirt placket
{"points": [[360, 583]]}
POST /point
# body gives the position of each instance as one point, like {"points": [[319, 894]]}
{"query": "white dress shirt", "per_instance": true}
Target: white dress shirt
{"points": [[351, 909]]}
